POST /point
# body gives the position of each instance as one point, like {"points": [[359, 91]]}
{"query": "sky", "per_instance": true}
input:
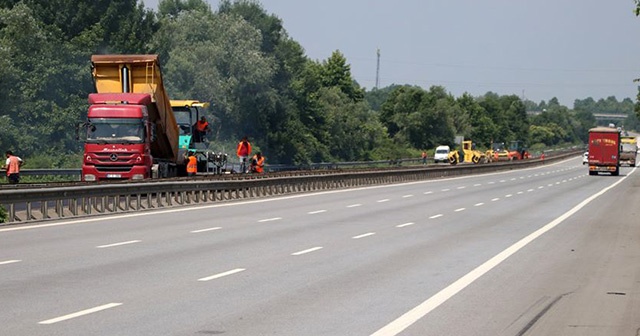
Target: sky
{"points": [[536, 49]]}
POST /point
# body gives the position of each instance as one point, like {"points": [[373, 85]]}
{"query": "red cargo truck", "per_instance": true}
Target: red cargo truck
{"points": [[604, 151]]}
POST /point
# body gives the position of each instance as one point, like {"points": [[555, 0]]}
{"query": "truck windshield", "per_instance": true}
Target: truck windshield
{"points": [[115, 130]]}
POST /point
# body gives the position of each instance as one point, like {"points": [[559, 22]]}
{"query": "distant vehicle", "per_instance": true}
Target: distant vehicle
{"points": [[604, 151], [585, 158], [629, 150], [441, 154]]}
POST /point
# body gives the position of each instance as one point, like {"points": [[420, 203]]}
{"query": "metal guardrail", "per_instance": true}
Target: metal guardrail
{"points": [[39, 204]]}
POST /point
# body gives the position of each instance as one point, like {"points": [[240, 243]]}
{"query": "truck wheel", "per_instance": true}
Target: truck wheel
{"points": [[616, 172], [632, 165], [593, 173]]}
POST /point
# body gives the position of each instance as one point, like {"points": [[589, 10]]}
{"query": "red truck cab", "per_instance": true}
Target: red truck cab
{"points": [[118, 138], [604, 150]]}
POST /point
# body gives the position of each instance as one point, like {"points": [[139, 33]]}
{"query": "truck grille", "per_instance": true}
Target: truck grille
{"points": [[114, 168]]}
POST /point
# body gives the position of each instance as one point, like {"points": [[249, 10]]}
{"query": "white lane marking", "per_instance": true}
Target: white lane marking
{"points": [[529, 190], [405, 224], [6, 262], [540, 187], [507, 196], [363, 235], [445, 189], [245, 202], [550, 185], [513, 179], [520, 192], [383, 200], [269, 219], [557, 182], [478, 204], [436, 216], [407, 196], [477, 185], [119, 244], [428, 192], [354, 205], [306, 251], [80, 313], [461, 209], [206, 230], [316, 212], [563, 181], [495, 199], [491, 182], [503, 181], [460, 187], [420, 311], [223, 274]]}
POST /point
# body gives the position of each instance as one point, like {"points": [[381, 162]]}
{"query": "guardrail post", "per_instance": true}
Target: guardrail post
{"points": [[44, 209], [29, 215], [12, 213]]}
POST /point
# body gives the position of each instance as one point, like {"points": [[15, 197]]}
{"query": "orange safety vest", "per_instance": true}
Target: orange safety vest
{"points": [[192, 165], [14, 165], [243, 149], [259, 167], [201, 126]]}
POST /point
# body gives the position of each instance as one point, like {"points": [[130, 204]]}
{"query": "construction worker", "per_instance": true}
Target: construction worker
{"points": [[257, 163], [243, 151], [201, 128], [12, 165], [424, 157], [192, 164]]}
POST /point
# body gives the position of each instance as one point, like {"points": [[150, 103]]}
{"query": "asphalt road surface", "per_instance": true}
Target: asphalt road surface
{"points": [[543, 251]]}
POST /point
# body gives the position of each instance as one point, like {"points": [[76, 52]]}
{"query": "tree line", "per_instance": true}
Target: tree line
{"points": [[258, 80]]}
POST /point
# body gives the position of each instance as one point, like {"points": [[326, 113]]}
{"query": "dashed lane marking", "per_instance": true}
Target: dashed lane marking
{"points": [[80, 313], [269, 219], [313, 249], [223, 274], [119, 244], [206, 230], [368, 234]]}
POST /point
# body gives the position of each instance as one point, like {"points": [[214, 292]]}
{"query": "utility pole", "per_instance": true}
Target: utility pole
{"points": [[378, 70]]}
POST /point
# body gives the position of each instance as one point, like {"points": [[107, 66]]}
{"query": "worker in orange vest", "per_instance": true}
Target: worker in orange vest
{"points": [[12, 165], [192, 164], [257, 163], [201, 128], [243, 151]]}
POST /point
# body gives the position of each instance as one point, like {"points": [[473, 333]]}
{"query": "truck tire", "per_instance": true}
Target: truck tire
{"points": [[615, 172], [593, 173]]}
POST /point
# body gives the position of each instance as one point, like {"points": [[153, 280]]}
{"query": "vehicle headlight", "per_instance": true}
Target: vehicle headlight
{"points": [[89, 177], [137, 177]]}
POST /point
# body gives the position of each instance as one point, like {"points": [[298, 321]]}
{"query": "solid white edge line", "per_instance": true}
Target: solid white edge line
{"points": [[244, 202], [363, 235], [206, 230], [223, 274], [80, 313], [6, 262], [306, 251], [405, 224], [119, 244], [269, 219], [413, 315]]}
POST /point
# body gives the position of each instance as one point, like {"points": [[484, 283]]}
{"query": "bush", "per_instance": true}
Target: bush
{"points": [[3, 214]]}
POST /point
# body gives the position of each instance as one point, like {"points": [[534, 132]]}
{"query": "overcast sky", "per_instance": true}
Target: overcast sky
{"points": [[569, 49]]}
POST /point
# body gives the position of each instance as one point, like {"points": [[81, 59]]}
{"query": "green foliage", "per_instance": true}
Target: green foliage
{"points": [[3, 214]]}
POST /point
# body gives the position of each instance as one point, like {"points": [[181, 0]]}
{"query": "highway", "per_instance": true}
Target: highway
{"points": [[542, 251]]}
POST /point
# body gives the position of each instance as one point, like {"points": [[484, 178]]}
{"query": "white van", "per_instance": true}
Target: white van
{"points": [[441, 154]]}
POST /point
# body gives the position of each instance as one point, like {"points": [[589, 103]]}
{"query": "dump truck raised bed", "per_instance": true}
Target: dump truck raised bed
{"points": [[131, 131]]}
